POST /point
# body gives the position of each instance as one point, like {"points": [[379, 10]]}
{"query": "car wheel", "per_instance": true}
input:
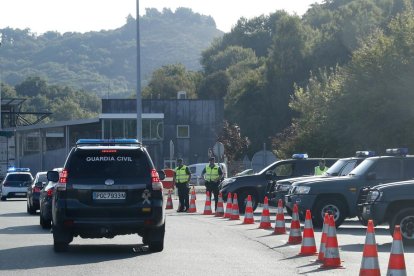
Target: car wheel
{"points": [[30, 209], [333, 206], [155, 239], [3, 198], [242, 200], [61, 239], [404, 218], [45, 223]]}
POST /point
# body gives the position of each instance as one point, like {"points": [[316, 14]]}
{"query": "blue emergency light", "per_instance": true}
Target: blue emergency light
{"points": [[13, 169], [107, 142], [300, 156], [397, 151], [365, 153]]}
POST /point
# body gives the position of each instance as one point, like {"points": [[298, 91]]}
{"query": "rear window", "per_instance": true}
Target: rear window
{"points": [[108, 163], [19, 177], [42, 178]]}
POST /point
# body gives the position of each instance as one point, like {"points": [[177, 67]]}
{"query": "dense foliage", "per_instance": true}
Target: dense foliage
{"points": [[105, 62]]}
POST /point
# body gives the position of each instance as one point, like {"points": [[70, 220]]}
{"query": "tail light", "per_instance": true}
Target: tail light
{"points": [[50, 192], [155, 180], [36, 190], [63, 179]]}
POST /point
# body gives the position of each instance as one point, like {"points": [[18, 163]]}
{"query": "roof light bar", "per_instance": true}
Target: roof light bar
{"points": [[365, 153], [397, 151], [108, 142], [300, 156], [13, 169]]}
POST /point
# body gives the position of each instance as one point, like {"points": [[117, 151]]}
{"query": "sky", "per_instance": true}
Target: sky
{"points": [[82, 16]]}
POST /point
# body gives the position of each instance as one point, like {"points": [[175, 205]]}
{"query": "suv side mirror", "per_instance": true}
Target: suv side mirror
{"points": [[53, 176], [161, 174], [269, 175], [371, 176]]}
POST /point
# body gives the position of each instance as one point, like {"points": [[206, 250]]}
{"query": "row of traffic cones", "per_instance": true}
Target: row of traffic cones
{"points": [[328, 251]]}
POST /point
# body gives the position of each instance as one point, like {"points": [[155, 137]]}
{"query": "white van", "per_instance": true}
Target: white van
{"points": [[197, 169]]}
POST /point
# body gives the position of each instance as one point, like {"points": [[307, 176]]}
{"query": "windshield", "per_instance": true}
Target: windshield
{"points": [[267, 168], [18, 177], [336, 167], [362, 168]]}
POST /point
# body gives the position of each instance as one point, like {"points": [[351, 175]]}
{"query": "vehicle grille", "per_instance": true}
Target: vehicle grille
{"points": [[362, 197]]}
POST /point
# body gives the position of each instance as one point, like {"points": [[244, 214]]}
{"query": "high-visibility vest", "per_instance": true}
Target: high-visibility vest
{"points": [[318, 171], [212, 173], [181, 175]]}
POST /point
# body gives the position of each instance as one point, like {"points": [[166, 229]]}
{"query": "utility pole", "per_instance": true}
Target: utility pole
{"points": [[139, 101]]}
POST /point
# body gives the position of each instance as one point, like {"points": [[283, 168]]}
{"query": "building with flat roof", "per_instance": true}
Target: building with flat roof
{"points": [[186, 128]]}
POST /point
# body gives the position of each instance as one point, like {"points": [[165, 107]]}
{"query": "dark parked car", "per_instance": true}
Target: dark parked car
{"points": [[340, 195], [46, 195], [108, 188], [33, 192], [340, 168], [256, 185], [393, 204]]}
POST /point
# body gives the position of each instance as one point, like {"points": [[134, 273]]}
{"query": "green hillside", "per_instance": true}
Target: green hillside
{"points": [[105, 62]]}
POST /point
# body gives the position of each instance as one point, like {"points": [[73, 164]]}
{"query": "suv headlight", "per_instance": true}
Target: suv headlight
{"points": [[302, 190], [374, 196], [284, 187], [227, 181]]}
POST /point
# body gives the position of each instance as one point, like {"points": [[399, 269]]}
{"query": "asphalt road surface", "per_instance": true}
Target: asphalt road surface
{"points": [[194, 245]]}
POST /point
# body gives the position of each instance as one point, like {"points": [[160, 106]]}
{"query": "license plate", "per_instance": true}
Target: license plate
{"points": [[109, 195], [20, 194]]}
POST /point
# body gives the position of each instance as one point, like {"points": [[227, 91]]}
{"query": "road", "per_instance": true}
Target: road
{"points": [[194, 245]]}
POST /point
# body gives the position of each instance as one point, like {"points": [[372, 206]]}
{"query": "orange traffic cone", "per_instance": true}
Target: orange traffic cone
{"points": [[332, 259], [265, 219], [396, 264], [169, 201], [322, 248], [207, 206], [193, 193], [308, 242], [295, 234], [229, 207], [235, 208], [248, 213], [193, 208], [369, 264], [280, 219], [220, 206]]}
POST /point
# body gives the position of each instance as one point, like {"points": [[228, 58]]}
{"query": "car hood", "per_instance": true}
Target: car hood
{"points": [[289, 181], [395, 185], [324, 181]]}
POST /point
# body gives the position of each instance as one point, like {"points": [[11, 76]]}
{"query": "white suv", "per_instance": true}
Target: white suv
{"points": [[15, 183]]}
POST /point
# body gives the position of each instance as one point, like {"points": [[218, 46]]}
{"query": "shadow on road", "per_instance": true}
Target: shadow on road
{"points": [[358, 231], [19, 214], [385, 247], [24, 229], [41, 256]]}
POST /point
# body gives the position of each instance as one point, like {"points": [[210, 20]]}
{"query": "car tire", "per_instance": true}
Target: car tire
{"points": [[30, 209], [404, 218], [61, 239], [242, 200], [155, 239], [3, 198], [330, 205], [45, 223]]}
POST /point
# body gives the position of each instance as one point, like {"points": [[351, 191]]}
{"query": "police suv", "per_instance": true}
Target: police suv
{"points": [[340, 168], [257, 185], [15, 183], [108, 188], [339, 195]]}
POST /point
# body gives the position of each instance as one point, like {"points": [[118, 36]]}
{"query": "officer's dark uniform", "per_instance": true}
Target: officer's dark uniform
{"points": [[212, 175], [182, 176]]}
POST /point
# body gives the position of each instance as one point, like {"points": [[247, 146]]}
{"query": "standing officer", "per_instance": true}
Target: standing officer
{"points": [[321, 169], [182, 176], [212, 174]]}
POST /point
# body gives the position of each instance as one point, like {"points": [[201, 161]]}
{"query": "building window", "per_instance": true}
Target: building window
{"points": [[183, 131], [152, 129]]}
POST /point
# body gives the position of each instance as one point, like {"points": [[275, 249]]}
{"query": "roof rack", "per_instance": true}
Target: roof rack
{"points": [[107, 142]]}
